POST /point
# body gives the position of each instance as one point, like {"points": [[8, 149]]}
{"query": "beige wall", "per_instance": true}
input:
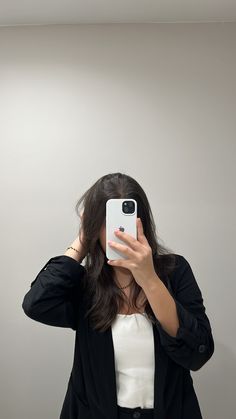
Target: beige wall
{"points": [[156, 101]]}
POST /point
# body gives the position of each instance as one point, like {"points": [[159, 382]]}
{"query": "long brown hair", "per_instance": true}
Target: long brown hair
{"points": [[100, 289]]}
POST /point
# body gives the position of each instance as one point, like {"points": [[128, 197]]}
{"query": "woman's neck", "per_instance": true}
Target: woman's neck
{"points": [[122, 276]]}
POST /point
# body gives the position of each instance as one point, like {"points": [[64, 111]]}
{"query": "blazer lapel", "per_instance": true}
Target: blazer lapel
{"points": [[161, 364], [101, 354]]}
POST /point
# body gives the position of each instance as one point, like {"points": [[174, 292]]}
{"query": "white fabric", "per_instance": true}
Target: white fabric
{"points": [[133, 344]]}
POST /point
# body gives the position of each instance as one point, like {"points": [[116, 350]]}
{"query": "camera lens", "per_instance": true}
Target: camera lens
{"points": [[128, 207]]}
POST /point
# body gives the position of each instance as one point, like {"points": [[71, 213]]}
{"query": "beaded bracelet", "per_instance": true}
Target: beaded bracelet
{"points": [[70, 247]]}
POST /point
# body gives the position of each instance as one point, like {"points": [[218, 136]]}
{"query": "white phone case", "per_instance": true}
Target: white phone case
{"points": [[116, 218]]}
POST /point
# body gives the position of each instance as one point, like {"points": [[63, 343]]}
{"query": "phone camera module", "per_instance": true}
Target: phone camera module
{"points": [[128, 207]]}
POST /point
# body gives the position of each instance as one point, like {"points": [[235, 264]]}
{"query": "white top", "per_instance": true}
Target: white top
{"points": [[134, 360]]}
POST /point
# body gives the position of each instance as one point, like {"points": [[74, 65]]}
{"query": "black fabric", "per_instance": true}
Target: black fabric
{"points": [[56, 299], [134, 413]]}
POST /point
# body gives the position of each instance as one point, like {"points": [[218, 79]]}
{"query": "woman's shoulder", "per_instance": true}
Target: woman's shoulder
{"points": [[181, 265], [172, 264], [182, 275], [180, 262]]}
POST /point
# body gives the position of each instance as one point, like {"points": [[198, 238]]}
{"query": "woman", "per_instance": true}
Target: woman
{"points": [[140, 322]]}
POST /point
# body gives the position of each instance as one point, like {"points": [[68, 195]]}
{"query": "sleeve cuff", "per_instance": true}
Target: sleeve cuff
{"points": [[185, 333]]}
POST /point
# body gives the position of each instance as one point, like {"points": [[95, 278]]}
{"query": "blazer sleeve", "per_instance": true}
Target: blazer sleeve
{"points": [[55, 293], [193, 344]]}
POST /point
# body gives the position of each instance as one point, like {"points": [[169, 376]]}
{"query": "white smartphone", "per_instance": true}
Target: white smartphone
{"points": [[122, 214]]}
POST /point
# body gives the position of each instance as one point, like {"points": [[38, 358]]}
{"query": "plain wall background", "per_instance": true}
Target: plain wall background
{"points": [[155, 101]]}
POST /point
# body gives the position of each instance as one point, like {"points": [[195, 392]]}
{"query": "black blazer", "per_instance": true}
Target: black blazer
{"points": [[55, 298]]}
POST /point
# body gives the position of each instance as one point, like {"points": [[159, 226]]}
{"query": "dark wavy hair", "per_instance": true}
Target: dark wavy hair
{"points": [[103, 296]]}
